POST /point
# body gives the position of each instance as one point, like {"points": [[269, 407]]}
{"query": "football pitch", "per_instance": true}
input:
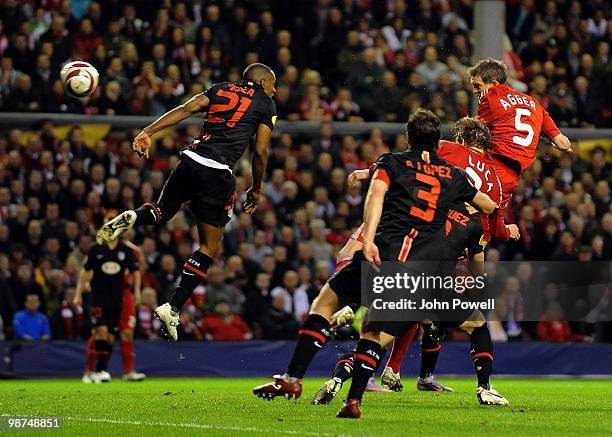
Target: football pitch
{"points": [[225, 406]]}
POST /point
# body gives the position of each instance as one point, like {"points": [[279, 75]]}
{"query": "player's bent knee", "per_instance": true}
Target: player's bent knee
{"points": [[476, 320]]}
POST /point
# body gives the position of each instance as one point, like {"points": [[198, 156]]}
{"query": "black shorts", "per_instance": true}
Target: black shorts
{"points": [[208, 192], [346, 282], [106, 314]]}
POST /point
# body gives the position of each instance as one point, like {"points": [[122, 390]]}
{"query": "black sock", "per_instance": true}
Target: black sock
{"points": [[312, 337], [344, 367], [103, 351], [482, 354], [430, 349], [367, 356], [148, 214], [194, 272]]}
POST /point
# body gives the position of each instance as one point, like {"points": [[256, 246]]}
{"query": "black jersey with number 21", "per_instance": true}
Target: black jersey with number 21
{"points": [[235, 111], [422, 188]]}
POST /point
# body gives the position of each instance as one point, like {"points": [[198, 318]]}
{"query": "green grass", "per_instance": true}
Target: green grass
{"points": [[226, 407]]}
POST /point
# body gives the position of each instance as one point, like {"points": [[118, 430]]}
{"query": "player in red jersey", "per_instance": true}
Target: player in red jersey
{"points": [[468, 152], [515, 121]]}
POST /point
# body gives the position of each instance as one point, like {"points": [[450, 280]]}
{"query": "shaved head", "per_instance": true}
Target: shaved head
{"points": [[257, 72]]}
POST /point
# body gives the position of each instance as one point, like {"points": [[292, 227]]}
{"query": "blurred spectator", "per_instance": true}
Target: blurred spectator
{"points": [[221, 324], [552, 326], [277, 323], [30, 324], [147, 326], [70, 321], [295, 298]]}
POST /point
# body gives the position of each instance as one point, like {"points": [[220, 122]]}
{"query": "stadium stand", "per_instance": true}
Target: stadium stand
{"points": [[367, 60]]}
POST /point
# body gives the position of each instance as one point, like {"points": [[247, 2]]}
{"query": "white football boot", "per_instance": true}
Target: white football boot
{"points": [[169, 319], [134, 376], [490, 397], [100, 377], [88, 377], [113, 229], [327, 392], [342, 317], [391, 379]]}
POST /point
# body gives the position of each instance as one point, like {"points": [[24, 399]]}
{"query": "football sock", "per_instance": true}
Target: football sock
{"points": [[482, 354], [430, 349], [148, 214], [367, 356], [311, 338], [344, 367], [128, 356], [399, 348], [91, 355], [194, 272], [103, 350]]}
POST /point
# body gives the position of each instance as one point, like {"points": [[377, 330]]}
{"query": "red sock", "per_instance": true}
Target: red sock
{"points": [[400, 347], [128, 355], [91, 355]]}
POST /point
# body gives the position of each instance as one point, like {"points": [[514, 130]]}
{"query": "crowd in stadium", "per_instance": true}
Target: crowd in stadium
{"points": [[366, 61]]}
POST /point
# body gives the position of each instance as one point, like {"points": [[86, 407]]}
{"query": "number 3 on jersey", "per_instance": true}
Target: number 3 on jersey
{"points": [[243, 104], [431, 197], [522, 127]]}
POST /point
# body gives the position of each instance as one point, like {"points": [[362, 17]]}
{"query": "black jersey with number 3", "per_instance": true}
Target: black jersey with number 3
{"points": [[235, 111], [422, 188]]}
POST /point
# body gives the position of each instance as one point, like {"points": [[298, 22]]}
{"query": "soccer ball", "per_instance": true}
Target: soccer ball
{"points": [[79, 78]]}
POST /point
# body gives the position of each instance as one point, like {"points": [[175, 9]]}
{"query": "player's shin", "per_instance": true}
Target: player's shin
{"points": [[344, 367], [91, 355], [128, 356], [103, 351], [367, 356], [482, 354], [194, 272], [312, 337], [399, 348], [430, 350]]}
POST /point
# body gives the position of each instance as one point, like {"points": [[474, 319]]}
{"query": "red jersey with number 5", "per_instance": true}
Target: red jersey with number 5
{"points": [[235, 111], [515, 121]]}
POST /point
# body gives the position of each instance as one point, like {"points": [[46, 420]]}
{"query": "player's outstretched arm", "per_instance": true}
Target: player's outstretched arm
{"points": [[85, 277], [142, 143], [483, 203], [259, 161], [371, 217]]}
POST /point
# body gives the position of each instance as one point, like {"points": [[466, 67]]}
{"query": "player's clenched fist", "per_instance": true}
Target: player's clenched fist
{"points": [[252, 200], [514, 231], [142, 144]]}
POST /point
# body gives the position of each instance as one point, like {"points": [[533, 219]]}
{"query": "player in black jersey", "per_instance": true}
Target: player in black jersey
{"points": [[204, 177], [412, 191], [104, 273]]}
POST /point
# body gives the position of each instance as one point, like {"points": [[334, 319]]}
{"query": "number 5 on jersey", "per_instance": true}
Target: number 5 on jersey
{"points": [[522, 127]]}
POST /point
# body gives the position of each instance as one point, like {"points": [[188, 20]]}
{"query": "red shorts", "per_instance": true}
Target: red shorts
{"points": [[508, 178], [127, 320]]}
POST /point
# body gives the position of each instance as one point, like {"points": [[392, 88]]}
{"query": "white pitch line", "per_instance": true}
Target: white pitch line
{"points": [[195, 426]]}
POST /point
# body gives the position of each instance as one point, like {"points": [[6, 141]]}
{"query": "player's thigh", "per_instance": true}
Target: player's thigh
{"points": [[175, 190], [346, 282], [211, 199]]}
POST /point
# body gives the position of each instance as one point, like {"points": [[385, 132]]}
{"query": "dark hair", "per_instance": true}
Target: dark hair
{"points": [[473, 131], [257, 72], [423, 130], [489, 70]]}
